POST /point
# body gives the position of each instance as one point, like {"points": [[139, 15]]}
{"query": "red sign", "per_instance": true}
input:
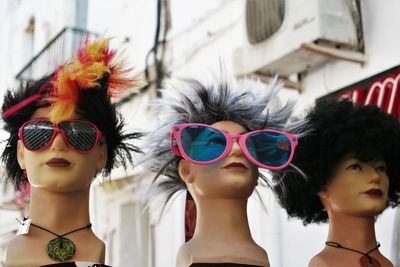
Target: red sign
{"points": [[383, 92]]}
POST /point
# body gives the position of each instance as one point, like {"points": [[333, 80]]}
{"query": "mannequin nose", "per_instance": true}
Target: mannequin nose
{"points": [[374, 174], [58, 143], [236, 150]]}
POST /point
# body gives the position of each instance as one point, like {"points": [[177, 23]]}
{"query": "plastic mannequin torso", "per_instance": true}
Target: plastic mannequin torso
{"points": [[223, 265], [188, 256]]}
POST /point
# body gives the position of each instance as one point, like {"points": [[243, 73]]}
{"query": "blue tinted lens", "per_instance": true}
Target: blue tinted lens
{"points": [[269, 148], [202, 144]]}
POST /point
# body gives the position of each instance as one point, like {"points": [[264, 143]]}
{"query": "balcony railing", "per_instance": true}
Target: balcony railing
{"points": [[58, 51]]}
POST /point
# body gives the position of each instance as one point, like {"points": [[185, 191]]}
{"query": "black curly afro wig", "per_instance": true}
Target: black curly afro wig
{"points": [[336, 129], [93, 105]]}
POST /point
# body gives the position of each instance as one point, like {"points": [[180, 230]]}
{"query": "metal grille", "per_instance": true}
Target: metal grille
{"points": [[58, 51], [263, 18]]}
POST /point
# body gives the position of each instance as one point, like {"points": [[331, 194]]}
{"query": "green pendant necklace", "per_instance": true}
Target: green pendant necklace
{"points": [[61, 248]]}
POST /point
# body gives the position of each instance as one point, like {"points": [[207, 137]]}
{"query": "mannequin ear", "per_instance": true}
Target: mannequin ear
{"points": [[21, 155], [324, 194], [185, 171], [102, 157], [258, 177]]}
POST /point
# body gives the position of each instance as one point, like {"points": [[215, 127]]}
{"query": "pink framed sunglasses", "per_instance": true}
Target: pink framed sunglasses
{"points": [[203, 144], [80, 135]]}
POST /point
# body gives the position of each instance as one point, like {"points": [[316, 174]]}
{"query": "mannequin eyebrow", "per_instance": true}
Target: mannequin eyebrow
{"points": [[41, 117], [378, 161], [230, 133]]}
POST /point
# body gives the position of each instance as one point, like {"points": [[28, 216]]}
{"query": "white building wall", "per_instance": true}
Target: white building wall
{"points": [[381, 49], [50, 17], [206, 32], [4, 29], [131, 23]]}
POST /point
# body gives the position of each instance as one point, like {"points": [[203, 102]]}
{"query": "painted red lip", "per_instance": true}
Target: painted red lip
{"points": [[58, 163], [236, 165], [374, 192]]}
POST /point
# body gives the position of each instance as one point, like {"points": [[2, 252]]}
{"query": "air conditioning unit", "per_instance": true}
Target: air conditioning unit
{"points": [[291, 36]]}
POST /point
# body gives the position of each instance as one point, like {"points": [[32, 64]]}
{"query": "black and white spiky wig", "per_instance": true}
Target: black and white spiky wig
{"points": [[337, 129], [250, 103]]}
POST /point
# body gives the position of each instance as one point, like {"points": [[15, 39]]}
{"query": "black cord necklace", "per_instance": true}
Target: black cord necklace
{"points": [[61, 248], [366, 260]]}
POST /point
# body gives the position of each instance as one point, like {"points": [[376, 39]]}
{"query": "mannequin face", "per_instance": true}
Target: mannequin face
{"points": [[357, 188], [75, 176], [232, 177]]}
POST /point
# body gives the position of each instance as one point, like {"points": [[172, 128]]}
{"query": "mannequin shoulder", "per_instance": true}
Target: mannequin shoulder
{"points": [[91, 247], [263, 255], [326, 258], [184, 258], [76, 264], [318, 261], [190, 253], [18, 246]]}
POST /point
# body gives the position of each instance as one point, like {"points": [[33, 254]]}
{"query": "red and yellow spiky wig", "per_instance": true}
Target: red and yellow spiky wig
{"points": [[92, 61], [83, 86]]}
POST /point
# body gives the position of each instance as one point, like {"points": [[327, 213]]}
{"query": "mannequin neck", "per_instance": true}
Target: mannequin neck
{"points": [[59, 212], [361, 230], [222, 219], [222, 234]]}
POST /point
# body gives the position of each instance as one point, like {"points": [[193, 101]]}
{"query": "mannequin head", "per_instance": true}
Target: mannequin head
{"points": [[227, 106], [232, 177], [80, 90], [364, 184], [45, 167], [349, 163]]}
